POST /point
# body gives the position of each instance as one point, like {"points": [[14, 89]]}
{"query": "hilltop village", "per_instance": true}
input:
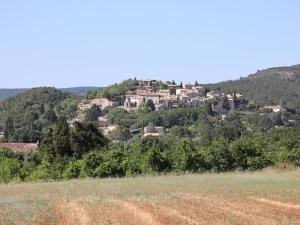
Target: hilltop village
{"points": [[156, 95]]}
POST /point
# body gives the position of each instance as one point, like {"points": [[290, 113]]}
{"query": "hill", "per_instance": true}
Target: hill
{"points": [[278, 85], [34, 110], [80, 91], [5, 92]]}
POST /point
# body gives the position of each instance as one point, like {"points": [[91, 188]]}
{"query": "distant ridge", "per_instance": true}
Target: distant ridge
{"points": [[81, 91]]}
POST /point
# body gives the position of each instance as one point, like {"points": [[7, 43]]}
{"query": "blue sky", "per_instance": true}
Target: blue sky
{"points": [[66, 43]]}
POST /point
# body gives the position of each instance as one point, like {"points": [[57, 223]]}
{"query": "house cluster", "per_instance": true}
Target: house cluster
{"points": [[173, 95], [218, 98], [170, 97]]}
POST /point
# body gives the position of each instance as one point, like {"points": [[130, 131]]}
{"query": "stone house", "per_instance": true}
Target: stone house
{"points": [[102, 103], [153, 131], [275, 108]]}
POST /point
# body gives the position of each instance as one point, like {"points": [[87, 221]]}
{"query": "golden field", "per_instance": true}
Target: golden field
{"points": [[271, 196]]}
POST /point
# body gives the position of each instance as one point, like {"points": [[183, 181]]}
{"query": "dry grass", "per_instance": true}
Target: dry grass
{"points": [[266, 197]]}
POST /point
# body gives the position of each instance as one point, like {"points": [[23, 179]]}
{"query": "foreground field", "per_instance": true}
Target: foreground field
{"points": [[267, 197]]}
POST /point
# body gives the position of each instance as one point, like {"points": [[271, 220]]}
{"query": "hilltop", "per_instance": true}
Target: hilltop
{"points": [[80, 91]]}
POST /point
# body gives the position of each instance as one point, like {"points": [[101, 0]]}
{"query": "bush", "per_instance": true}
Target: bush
{"points": [[89, 164], [72, 170], [48, 169], [9, 170], [248, 154], [154, 161]]}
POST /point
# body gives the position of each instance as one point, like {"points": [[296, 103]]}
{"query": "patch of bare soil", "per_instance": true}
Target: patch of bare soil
{"points": [[72, 212], [143, 216], [217, 210], [279, 204]]}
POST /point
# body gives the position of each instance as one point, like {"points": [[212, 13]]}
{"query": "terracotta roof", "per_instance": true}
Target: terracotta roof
{"points": [[20, 147]]}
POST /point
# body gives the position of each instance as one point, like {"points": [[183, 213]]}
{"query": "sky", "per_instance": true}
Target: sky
{"points": [[67, 43]]}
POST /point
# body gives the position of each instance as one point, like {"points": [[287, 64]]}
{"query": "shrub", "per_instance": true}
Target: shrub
{"points": [[9, 170], [72, 170], [89, 164]]}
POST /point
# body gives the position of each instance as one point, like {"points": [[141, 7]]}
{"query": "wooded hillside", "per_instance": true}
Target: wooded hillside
{"points": [[271, 86]]}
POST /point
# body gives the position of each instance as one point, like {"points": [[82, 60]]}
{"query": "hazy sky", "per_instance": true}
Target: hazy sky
{"points": [[67, 43]]}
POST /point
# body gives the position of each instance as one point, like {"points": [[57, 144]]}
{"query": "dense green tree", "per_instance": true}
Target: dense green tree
{"points": [[248, 153], [155, 161], [9, 130], [93, 113], [61, 137], [86, 137], [150, 105], [226, 104]]}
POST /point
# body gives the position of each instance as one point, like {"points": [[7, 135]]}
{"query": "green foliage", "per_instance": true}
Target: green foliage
{"points": [[150, 105], [93, 113], [119, 134], [248, 153], [33, 111], [72, 170], [90, 162], [9, 169], [219, 157], [86, 137], [9, 130], [271, 86], [44, 171], [115, 92], [61, 137], [154, 161]]}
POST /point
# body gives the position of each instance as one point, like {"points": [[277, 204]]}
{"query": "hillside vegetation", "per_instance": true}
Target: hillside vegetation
{"points": [[34, 110], [279, 85]]}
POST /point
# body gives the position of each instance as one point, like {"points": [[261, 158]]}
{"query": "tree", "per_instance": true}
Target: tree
{"points": [[207, 108], [9, 130], [154, 161], [47, 146], [50, 116], [119, 134], [150, 105], [181, 85], [93, 113], [61, 137], [248, 154], [226, 104], [86, 137], [196, 83]]}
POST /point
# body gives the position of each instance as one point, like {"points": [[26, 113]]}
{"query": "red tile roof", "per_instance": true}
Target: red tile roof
{"points": [[20, 147]]}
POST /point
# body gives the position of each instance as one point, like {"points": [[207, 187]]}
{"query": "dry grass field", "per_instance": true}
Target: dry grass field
{"points": [[266, 197]]}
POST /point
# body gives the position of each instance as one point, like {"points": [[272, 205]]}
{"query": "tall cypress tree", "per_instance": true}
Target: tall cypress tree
{"points": [[226, 104], [61, 137], [8, 130]]}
